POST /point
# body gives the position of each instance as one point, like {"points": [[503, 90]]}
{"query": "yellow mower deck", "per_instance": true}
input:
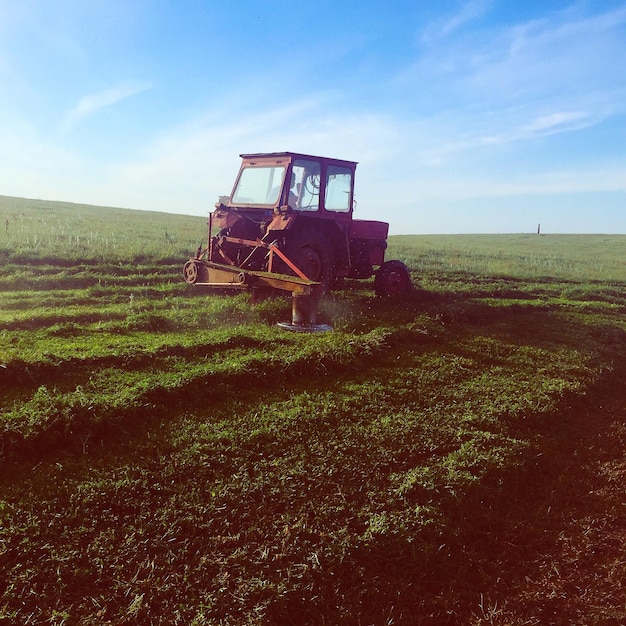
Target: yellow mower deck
{"points": [[305, 293]]}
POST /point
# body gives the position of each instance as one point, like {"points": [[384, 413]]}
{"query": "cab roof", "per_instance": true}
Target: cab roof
{"points": [[295, 155]]}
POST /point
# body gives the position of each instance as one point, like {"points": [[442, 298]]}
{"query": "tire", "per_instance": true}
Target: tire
{"points": [[393, 280], [312, 253], [190, 272]]}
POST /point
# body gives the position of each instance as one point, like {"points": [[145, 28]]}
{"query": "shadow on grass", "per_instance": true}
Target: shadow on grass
{"points": [[499, 558], [467, 568]]}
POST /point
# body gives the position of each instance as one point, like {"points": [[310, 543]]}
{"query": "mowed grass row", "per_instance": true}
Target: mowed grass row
{"points": [[268, 496], [174, 457], [284, 496], [79, 366]]}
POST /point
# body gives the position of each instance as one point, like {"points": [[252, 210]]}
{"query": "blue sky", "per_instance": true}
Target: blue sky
{"points": [[465, 117]]}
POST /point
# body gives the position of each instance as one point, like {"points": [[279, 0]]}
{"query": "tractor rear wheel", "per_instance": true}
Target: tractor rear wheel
{"points": [[313, 255], [392, 279]]}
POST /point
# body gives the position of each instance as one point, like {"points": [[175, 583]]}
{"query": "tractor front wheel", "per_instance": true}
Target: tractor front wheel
{"points": [[392, 279]]}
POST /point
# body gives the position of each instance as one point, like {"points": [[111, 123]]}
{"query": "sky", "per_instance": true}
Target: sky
{"points": [[478, 116]]}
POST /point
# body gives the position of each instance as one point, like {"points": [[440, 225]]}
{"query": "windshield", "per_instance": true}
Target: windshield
{"points": [[259, 185]]}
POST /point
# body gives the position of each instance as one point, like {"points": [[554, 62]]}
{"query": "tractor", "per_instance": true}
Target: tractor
{"points": [[288, 224]]}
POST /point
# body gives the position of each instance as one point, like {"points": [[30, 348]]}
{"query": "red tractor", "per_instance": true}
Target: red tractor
{"points": [[288, 224]]}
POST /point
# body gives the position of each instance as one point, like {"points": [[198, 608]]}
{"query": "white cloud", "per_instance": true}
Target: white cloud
{"points": [[473, 94], [557, 122], [190, 166], [468, 12], [565, 54], [540, 125], [93, 102], [554, 57], [488, 185]]}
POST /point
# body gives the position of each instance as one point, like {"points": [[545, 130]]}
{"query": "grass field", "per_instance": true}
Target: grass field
{"points": [[171, 456]]}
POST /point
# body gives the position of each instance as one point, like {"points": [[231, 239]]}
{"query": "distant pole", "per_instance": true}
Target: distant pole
{"points": [[539, 229]]}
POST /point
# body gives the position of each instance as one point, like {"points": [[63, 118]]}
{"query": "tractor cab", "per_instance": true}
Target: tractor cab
{"points": [[286, 181]]}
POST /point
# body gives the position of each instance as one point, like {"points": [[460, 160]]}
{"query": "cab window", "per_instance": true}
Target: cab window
{"points": [[258, 185], [306, 184], [338, 188]]}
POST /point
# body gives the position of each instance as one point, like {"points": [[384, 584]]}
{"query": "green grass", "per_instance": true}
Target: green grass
{"points": [[172, 456], [574, 258], [39, 230]]}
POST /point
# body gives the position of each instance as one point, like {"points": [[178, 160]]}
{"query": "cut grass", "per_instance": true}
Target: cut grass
{"points": [[170, 456], [247, 510]]}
